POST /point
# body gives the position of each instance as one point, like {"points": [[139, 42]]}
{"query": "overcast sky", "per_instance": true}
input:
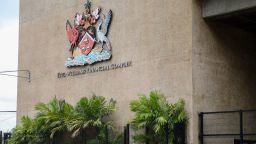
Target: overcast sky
{"points": [[9, 28]]}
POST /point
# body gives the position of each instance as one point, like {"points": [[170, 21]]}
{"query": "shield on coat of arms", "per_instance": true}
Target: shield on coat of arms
{"points": [[86, 44]]}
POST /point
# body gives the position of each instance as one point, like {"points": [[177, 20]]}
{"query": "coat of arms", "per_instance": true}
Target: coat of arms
{"points": [[88, 37]]}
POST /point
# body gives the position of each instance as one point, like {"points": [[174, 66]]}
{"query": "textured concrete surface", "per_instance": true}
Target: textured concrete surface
{"points": [[171, 47], [218, 8], [223, 75], [154, 35]]}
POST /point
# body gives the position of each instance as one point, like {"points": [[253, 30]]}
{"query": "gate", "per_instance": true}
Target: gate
{"points": [[226, 127]]}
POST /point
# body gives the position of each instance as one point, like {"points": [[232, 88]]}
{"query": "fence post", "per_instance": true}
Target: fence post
{"points": [[106, 135], [201, 135], [241, 127], [167, 135], [1, 137], [127, 134], [5, 138], [147, 132]]}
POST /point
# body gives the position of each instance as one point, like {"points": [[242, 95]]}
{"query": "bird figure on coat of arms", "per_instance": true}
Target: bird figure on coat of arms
{"points": [[102, 31]]}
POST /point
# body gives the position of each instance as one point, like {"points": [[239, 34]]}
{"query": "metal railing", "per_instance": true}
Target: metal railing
{"points": [[4, 137], [241, 134], [178, 134]]}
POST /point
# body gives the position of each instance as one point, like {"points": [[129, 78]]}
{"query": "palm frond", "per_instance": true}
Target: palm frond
{"points": [[154, 112]]}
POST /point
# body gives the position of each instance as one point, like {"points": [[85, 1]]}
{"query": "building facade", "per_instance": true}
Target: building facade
{"points": [[163, 45]]}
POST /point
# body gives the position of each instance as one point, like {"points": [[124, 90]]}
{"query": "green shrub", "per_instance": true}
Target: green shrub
{"points": [[29, 132], [54, 115], [58, 119], [91, 113], [155, 114]]}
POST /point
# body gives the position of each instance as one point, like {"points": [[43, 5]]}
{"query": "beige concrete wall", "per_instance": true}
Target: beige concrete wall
{"points": [[171, 47], [155, 35], [223, 74]]}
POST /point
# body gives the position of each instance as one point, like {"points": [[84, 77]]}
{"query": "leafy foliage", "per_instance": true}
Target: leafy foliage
{"points": [[28, 133], [59, 117], [53, 115], [114, 138], [155, 114], [90, 113]]}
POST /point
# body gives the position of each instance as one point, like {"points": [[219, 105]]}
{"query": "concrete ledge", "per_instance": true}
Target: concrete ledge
{"points": [[220, 8]]}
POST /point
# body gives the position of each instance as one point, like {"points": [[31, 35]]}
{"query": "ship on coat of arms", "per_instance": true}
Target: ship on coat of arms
{"points": [[88, 37]]}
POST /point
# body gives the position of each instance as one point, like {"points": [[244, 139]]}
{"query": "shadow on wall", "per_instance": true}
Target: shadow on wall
{"points": [[231, 53], [236, 49]]}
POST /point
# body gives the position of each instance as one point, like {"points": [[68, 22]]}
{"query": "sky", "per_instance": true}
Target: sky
{"points": [[9, 29]]}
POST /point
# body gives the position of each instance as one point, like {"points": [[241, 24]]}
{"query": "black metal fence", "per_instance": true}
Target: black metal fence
{"points": [[179, 134], [235, 126], [4, 137]]}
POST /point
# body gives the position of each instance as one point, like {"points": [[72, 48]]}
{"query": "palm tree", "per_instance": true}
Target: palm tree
{"points": [[155, 114], [89, 113], [54, 115], [58, 118], [25, 133]]}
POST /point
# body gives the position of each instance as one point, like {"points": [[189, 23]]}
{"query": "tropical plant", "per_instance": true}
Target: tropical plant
{"points": [[26, 133], [114, 137], [156, 115], [91, 113], [58, 119], [54, 115]]}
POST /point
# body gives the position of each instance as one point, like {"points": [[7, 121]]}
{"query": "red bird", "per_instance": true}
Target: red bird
{"points": [[72, 34]]}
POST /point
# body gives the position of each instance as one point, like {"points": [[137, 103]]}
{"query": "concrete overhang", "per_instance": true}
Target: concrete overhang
{"points": [[223, 8], [239, 13]]}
